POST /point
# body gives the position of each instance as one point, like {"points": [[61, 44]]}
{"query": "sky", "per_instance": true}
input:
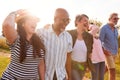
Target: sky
{"points": [[44, 9]]}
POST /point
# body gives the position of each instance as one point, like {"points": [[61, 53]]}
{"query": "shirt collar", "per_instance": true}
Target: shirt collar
{"points": [[52, 31]]}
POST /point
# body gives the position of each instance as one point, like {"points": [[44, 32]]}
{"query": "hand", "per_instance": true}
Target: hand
{"points": [[87, 70], [22, 12], [107, 53], [19, 12], [47, 26], [66, 76], [90, 55]]}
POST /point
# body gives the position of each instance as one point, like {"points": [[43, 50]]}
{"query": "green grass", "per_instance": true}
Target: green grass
{"points": [[4, 60], [4, 50], [117, 72], [118, 68], [3, 63]]}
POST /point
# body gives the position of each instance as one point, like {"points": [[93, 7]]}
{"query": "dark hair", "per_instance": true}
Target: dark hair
{"points": [[79, 18], [35, 41]]}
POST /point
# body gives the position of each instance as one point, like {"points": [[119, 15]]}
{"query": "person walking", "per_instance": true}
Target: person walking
{"points": [[98, 57], [109, 39], [58, 44], [82, 47], [27, 49]]}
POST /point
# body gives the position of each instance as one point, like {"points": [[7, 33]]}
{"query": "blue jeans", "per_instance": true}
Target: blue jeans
{"points": [[99, 71]]}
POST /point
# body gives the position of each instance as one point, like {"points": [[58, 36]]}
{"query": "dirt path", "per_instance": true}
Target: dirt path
{"points": [[5, 54]]}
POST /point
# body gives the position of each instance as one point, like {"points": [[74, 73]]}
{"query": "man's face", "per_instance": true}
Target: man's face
{"points": [[62, 21], [114, 20]]}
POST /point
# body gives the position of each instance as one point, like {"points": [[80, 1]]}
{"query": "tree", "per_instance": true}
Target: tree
{"points": [[98, 23]]}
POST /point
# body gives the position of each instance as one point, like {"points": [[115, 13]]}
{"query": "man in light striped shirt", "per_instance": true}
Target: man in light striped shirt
{"points": [[58, 43]]}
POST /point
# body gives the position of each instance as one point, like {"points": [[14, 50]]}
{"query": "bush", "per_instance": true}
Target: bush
{"points": [[119, 41], [3, 44], [4, 61]]}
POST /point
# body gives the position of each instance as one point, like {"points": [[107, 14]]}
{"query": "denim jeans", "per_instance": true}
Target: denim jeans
{"points": [[99, 71]]}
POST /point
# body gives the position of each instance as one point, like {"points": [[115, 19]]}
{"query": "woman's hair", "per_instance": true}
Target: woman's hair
{"points": [[79, 17], [35, 41]]}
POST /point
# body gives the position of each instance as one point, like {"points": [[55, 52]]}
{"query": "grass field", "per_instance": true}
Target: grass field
{"points": [[4, 61]]}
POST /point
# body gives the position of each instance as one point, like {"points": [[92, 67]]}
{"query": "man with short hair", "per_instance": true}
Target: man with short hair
{"points": [[58, 44], [109, 39]]}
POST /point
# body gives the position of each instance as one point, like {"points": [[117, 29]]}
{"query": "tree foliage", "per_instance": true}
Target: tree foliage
{"points": [[98, 23]]}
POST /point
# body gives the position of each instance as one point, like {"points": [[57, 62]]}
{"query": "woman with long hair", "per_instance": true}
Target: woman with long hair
{"points": [[27, 49]]}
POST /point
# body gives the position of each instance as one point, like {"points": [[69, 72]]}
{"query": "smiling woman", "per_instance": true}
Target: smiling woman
{"points": [[27, 49]]}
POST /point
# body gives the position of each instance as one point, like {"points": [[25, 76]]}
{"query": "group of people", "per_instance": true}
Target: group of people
{"points": [[53, 53]]}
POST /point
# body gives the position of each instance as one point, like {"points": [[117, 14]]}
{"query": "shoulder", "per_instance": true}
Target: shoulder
{"points": [[45, 28], [104, 26], [85, 33], [72, 32], [67, 33], [87, 37], [16, 42]]}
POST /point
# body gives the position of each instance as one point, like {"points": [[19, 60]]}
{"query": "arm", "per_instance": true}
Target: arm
{"points": [[42, 69], [107, 53], [8, 27], [102, 37], [47, 26], [68, 66], [68, 61]]}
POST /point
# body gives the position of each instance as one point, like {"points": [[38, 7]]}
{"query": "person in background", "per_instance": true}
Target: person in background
{"points": [[98, 57], [82, 47], [58, 44], [109, 39], [27, 49]]}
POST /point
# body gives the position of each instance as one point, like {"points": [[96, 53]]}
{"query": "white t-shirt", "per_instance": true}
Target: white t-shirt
{"points": [[79, 53]]}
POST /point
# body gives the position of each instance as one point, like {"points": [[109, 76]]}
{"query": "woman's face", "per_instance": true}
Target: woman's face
{"points": [[83, 24], [30, 26]]}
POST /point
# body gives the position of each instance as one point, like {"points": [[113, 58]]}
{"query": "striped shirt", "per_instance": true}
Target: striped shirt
{"points": [[56, 53], [28, 70]]}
